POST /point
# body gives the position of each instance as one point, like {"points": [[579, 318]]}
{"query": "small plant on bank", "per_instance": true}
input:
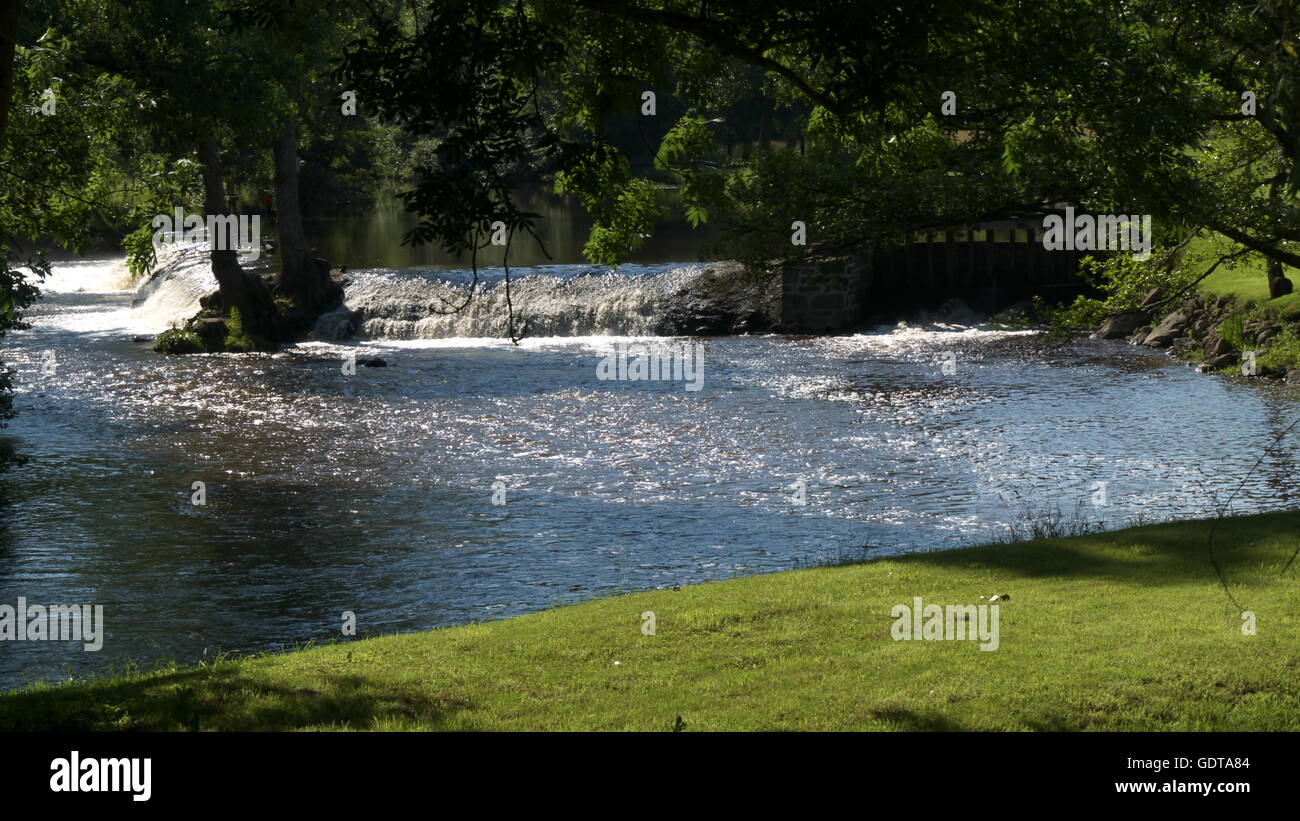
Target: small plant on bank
{"points": [[178, 341], [1123, 282], [1233, 331], [1282, 353], [239, 340]]}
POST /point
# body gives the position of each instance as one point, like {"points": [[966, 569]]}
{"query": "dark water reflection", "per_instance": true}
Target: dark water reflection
{"points": [[369, 240]]}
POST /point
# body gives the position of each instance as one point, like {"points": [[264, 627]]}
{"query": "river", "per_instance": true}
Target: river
{"points": [[373, 493]]}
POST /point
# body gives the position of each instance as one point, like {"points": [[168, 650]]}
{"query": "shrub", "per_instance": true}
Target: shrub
{"points": [[239, 340], [1232, 329], [177, 341], [1282, 353]]}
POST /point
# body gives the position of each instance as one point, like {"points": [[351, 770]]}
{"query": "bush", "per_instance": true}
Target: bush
{"points": [[1123, 281], [1282, 353], [1233, 330], [238, 340], [177, 341]]}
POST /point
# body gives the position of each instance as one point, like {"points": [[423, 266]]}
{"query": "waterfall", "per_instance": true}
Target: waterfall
{"points": [[171, 294], [555, 300]]}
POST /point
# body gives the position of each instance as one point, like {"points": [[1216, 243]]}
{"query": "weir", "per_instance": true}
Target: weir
{"points": [[989, 267]]}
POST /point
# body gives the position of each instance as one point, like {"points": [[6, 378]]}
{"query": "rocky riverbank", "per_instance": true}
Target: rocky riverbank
{"points": [[1219, 334]]}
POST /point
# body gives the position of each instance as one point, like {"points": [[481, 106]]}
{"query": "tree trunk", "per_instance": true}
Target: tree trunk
{"points": [[238, 290], [765, 125], [302, 278], [8, 46]]}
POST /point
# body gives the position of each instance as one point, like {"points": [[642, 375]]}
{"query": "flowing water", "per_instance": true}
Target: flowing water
{"points": [[373, 492]]}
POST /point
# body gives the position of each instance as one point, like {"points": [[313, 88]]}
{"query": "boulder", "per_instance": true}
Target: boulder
{"points": [[1152, 297], [1139, 335], [212, 330], [211, 301], [1225, 361], [1122, 325], [1293, 376], [1217, 346], [1167, 331]]}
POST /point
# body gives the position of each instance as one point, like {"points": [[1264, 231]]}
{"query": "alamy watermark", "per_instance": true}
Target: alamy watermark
{"points": [[955, 622], [657, 361], [219, 232], [77, 774], [1102, 232], [57, 622]]}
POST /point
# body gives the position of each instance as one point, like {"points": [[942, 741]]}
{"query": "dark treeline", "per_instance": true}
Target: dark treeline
{"points": [[865, 121]]}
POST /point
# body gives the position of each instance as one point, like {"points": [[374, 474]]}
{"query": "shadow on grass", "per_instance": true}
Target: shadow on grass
{"points": [[227, 699], [1169, 553], [909, 721]]}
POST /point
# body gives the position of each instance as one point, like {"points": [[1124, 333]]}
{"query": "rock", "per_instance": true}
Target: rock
{"points": [[1139, 335], [1225, 361], [1266, 332], [140, 339], [957, 312], [1122, 325], [1167, 331], [212, 330], [372, 362], [1217, 346], [210, 301], [1152, 297], [752, 322], [340, 323], [1293, 376]]}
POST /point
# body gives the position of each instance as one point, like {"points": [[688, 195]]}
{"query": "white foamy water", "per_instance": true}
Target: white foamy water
{"points": [[96, 276], [105, 299]]}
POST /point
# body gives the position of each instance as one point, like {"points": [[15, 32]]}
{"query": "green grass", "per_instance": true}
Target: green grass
{"points": [[1247, 281], [1127, 630], [1282, 351]]}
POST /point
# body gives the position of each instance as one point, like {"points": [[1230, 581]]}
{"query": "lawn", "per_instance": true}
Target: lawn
{"points": [[1247, 282], [1127, 630]]}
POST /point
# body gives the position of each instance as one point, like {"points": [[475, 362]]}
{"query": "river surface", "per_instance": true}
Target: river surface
{"points": [[373, 493]]}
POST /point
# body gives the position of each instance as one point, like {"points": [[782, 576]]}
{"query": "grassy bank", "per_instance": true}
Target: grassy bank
{"points": [[1127, 630], [1231, 313], [1246, 280]]}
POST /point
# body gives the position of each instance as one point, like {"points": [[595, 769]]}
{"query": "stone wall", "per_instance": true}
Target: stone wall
{"points": [[989, 268], [825, 295]]}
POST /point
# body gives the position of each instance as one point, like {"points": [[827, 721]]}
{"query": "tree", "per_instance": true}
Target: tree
{"points": [[1111, 105]]}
